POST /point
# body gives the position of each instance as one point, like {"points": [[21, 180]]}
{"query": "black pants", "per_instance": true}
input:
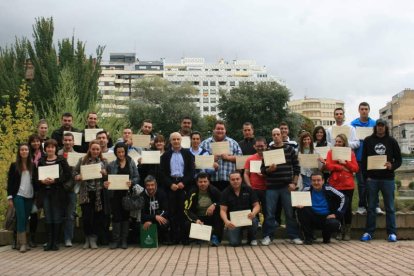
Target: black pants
{"points": [[214, 221], [118, 213], [348, 211], [309, 221], [221, 185], [261, 194], [92, 220], [176, 205]]}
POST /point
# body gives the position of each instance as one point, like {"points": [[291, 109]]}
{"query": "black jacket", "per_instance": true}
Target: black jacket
{"points": [[57, 134], [156, 205], [190, 205], [13, 181], [337, 201], [65, 173], [188, 168]]}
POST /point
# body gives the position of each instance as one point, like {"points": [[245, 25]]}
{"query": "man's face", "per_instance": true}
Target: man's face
{"points": [[68, 142], [195, 140], [380, 130], [363, 111], [260, 147], [317, 182], [146, 128], [103, 140], [248, 131], [219, 132], [277, 136], [151, 187], [235, 181], [186, 124], [127, 134], [175, 141], [339, 116], [92, 120], [203, 183], [284, 130], [67, 122]]}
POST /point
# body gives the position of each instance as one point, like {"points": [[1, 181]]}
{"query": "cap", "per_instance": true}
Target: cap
{"points": [[381, 122]]}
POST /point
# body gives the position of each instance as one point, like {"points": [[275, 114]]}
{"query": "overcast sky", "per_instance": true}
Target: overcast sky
{"points": [[349, 50]]}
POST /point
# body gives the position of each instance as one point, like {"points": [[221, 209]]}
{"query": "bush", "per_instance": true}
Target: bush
{"points": [[398, 184], [411, 185]]}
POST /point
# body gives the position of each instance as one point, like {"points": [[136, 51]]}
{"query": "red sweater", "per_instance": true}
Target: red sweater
{"points": [[341, 179]]}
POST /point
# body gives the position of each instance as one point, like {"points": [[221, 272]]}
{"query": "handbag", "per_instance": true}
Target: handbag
{"points": [[132, 202], [10, 221]]}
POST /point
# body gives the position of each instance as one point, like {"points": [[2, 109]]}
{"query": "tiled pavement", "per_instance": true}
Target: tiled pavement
{"points": [[280, 258]]}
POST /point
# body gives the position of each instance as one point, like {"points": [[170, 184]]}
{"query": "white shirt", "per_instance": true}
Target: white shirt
{"points": [[26, 187]]}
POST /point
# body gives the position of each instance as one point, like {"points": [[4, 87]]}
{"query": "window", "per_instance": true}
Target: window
{"points": [[213, 108], [213, 100], [222, 83], [205, 100], [232, 83], [205, 83], [212, 83], [205, 108]]}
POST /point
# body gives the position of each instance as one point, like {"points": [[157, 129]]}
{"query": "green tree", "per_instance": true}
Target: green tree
{"points": [[164, 103], [263, 104], [298, 123]]}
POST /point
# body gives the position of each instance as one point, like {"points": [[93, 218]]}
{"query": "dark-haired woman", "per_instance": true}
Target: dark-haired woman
{"points": [[123, 165], [20, 191], [319, 140]]}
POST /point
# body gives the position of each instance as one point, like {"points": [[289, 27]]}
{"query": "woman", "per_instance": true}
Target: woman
{"points": [[53, 193], [90, 195], [120, 218], [342, 179], [20, 191], [152, 169], [195, 149], [319, 140], [42, 129], [306, 147]]}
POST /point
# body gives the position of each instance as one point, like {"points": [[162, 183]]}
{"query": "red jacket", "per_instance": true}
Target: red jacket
{"points": [[341, 179]]}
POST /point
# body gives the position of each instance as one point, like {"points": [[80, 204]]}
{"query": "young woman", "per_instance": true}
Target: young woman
{"points": [[90, 195], [120, 217], [42, 129], [319, 140], [20, 191], [195, 149], [53, 193], [342, 179], [306, 147], [152, 169]]}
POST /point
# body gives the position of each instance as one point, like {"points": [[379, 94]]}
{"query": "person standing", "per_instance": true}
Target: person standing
{"points": [[339, 116], [247, 144], [66, 125]]}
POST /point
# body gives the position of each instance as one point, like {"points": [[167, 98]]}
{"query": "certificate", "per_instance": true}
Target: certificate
{"points": [[323, 151], [363, 132], [377, 162], [92, 171], [219, 148], [204, 161], [239, 218], [200, 232], [255, 166], [73, 158], [77, 137], [51, 171], [341, 130], [90, 133], [276, 157], [301, 199], [142, 141], [118, 181], [185, 142], [109, 156], [341, 153], [134, 155], [151, 157], [309, 161], [241, 161]]}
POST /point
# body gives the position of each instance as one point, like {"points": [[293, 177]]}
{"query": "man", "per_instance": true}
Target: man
{"points": [[239, 197], [363, 121], [70, 210], [254, 179], [91, 123], [339, 115], [328, 207], [155, 209], [284, 130], [381, 143], [202, 207], [102, 137], [280, 181], [247, 144], [177, 170], [226, 162], [66, 125], [127, 139], [186, 125]]}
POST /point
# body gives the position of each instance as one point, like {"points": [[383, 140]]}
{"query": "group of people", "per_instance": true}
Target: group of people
{"points": [[176, 193]]}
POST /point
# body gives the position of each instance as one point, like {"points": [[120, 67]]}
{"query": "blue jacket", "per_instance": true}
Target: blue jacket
{"points": [[357, 123], [337, 201]]}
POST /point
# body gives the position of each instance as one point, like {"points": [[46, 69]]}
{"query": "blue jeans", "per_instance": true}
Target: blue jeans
{"points": [[387, 188], [52, 209], [270, 224], [23, 207], [235, 235], [70, 212]]}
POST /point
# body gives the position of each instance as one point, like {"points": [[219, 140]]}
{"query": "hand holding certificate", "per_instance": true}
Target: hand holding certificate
{"points": [[118, 181], [92, 171], [276, 157], [377, 162], [301, 199], [341, 153], [240, 218], [204, 161], [219, 148], [323, 151], [51, 171], [200, 232], [255, 166], [309, 161]]}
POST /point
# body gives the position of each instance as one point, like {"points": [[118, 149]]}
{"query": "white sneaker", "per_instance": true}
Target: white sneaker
{"points": [[361, 210], [68, 243], [379, 211], [266, 241], [253, 243], [296, 241]]}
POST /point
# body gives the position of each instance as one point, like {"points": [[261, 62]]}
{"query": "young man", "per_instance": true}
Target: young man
{"points": [[381, 143], [185, 127], [328, 207], [102, 137], [91, 123], [66, 122], [339, 115], [239, 197], [202, 207], [247, 144]]}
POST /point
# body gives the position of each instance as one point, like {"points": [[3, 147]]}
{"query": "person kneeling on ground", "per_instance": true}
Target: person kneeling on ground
{"points": [[328, 208]]}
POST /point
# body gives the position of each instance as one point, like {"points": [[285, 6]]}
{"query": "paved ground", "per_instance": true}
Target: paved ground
{"points": [[280, 258]]}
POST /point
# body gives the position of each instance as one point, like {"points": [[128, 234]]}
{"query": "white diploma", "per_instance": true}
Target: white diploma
{"points": [[309, 161], [92, 171], [219, 148], [363, 132], [276, 157], [377, 162], [341, 153], [118, 181], [255, 166], [151, 157], [109, 156], [241, 161], [73, 158], [90, 133], [341, 130], [142, 141], [301, 199], [204, 161], [51, 171], [134, 155], [77, 137], [185, 142], [239, 218], [323, 151], [200, 232]]}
